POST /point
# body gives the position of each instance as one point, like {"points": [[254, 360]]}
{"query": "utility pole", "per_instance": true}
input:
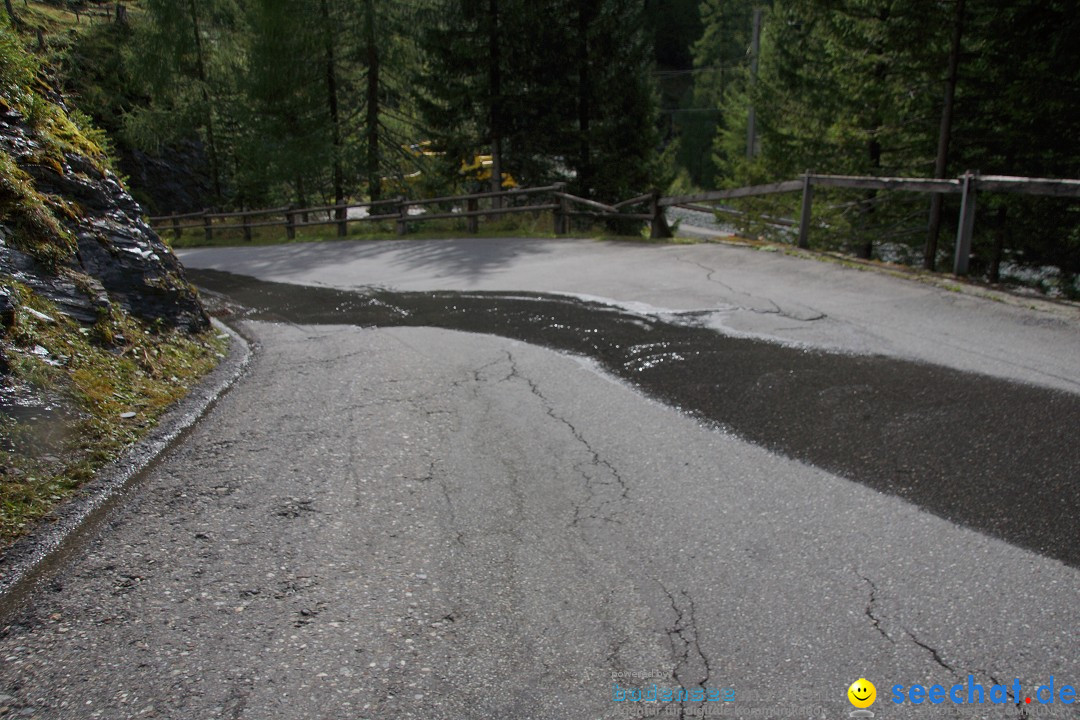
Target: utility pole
{"points": [[751, 119], [942, 160]]}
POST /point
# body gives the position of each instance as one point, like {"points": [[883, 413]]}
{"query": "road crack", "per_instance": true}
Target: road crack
{"points": [[441, 480], [692, 666], [870, 613], [774, 310], [932, 650], [603, 492]]}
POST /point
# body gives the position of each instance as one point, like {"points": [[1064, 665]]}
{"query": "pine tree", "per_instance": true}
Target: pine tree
{"points": [[1016, 115], [553, 88], [185, 59], [289, 138], [463, 98], [844, 89], [618, 122], [721, 60]]}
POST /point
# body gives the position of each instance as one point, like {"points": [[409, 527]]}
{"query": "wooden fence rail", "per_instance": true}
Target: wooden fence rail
{"points": [[397, 210], [966, 186], [565, 206]]}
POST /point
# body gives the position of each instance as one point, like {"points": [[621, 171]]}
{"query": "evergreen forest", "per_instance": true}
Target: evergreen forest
{"points": [[257, 103]]}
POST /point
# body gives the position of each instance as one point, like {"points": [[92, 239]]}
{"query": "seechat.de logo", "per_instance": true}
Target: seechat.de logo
{"points": [[862, 695]]}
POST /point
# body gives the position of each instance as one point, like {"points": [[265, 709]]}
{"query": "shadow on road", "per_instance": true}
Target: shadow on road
{"points": [[469, 258]]}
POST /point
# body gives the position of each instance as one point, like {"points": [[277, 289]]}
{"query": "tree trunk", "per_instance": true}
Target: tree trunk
{"points": [[584, 107], [335, 121], [15, 23], [881, 70], [374, 178], [495, 91], [751, 115], [301, 197], [941, 162], [208, 120], [866, 250]]}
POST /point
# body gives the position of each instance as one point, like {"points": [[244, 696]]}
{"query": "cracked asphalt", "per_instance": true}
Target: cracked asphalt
{"points": [[737, 290], [418, 522]]}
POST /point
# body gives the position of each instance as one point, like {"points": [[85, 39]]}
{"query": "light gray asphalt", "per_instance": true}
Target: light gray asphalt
{"points": [[737, 289], [422, 523], [411, 522]]}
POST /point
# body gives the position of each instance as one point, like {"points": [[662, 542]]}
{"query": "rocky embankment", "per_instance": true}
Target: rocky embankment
{"points": [[117, 258], [100, 331]]}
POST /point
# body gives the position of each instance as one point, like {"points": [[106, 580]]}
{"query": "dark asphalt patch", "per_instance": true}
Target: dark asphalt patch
{"points": [[998, 456]]}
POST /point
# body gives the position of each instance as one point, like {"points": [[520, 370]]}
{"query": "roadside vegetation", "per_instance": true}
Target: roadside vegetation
{"points": [[880, 88], [77, 397], [537, 225], [316, 102], [73, 396]]}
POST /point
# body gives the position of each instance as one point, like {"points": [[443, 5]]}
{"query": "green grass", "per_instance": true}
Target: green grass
{"points": [[226, 235], [118, 366], [32, 216], [57, 23], [94, 374]]}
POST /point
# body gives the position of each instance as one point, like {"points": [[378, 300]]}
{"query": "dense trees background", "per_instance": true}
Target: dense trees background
{"points": [[305, 100], [858, 87], [298, 100]]}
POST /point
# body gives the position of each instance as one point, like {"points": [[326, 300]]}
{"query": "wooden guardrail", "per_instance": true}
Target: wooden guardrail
{"points": [[966, 185], [565, 206], [400, 210]]}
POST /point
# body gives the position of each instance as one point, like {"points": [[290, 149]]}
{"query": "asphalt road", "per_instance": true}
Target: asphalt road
{"points": [[736, 290], [418, 522]]}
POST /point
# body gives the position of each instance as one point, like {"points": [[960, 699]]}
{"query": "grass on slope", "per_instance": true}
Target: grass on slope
{"points": [[104, 387]]}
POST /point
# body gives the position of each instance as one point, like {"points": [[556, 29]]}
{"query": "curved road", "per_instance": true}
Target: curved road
{"points": [[416, 522]]}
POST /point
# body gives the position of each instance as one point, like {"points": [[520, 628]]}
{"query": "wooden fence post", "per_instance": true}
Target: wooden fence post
{"points": [[247, 227], [804, 215], [176, 226], [562, 214], [208, 227], [342, 215], [472, 205], [290, 223], [658, 226], [403, 213], [966, 225]]}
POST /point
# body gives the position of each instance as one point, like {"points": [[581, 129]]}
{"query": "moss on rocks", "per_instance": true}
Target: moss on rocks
{"points": [[100, 331]]}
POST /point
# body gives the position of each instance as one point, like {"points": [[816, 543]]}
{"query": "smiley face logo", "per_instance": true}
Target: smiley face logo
{"points": [[862, 693]]}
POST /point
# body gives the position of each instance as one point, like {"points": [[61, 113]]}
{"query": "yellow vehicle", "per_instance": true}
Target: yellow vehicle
{"points": [[478, 170], [422, 149], [402, 183]]}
